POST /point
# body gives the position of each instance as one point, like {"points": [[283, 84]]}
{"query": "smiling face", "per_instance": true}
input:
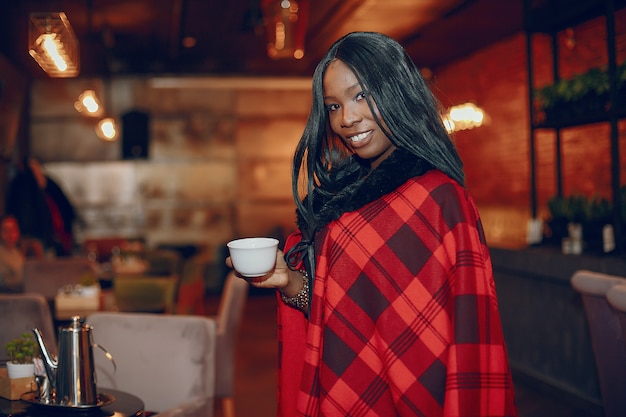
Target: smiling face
{"points": [[350, 116]]}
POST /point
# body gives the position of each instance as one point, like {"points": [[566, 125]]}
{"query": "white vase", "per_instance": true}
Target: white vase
{"points": [[20, 370]]}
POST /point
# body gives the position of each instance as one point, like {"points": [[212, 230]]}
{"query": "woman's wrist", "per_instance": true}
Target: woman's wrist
{"points": [[294, 283], [296, 292]]}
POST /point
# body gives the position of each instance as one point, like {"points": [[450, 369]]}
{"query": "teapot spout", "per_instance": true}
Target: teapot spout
{"points": [[49, 363]]}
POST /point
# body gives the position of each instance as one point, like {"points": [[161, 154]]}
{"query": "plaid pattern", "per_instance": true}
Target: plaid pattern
{"points": [[404, 318]]}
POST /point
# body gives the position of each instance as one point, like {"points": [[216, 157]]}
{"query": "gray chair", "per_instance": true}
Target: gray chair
{"points": [[229, 315], [192, 287], [139, 293], [607, 338], [163, 262], [616, 297], [20, 313], [167, 361]]}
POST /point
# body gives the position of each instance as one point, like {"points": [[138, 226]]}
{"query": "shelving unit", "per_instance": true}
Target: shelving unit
{"points": [[550, 17]]}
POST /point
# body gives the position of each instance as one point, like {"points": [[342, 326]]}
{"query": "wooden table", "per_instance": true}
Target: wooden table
{"points": [[104, 302]]}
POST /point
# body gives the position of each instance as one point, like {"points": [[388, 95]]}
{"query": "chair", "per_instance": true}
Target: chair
{"points": [[145, 293], [47, 276], [192, 287], [229, 315], [607, 338], [167, 361], [616, 297], [31, 247], [163, 262], [21, 313]]}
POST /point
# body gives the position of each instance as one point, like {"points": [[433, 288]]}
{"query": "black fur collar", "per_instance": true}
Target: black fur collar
{"points": [[394, 171]]}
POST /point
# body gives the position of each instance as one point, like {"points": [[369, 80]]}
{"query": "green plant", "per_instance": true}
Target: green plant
{"points": [[594, 81], [88, 279], [551, 96], [22, 349], [599, 210], [577, 208], [591, 86], [573, 208], [557, 207]]}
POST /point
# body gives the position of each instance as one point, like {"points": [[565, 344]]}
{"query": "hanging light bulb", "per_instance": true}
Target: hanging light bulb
{"points": [[463, 117], [107, 129], [88, 104], [286, 27], [53, 44]]}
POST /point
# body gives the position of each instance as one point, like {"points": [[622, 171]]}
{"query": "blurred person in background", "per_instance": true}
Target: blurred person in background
{"points": [[11, 256], [41, 208]]}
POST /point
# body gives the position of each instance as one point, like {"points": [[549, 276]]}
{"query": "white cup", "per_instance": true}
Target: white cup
{"points": [[253, 256]]}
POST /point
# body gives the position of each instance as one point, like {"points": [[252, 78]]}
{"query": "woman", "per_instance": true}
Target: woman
{"points": [[388, 299], [11, 256]]}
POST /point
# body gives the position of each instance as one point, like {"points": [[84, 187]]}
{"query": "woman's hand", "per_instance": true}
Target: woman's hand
{"points": [[281, 278]]}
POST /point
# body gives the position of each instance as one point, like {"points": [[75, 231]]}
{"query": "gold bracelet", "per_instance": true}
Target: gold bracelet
{"points": [[300, 300]]}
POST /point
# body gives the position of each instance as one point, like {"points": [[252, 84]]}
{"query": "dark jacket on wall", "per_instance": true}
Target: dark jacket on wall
{"points": [[27, 202]]}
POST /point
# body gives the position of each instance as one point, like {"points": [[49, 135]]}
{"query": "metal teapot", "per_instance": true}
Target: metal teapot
{"points": [[72, 376]]}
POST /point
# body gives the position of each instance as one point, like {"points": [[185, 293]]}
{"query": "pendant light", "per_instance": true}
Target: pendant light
{"points": [[53, 44]]}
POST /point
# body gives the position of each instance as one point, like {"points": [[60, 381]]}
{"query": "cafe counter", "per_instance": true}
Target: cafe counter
{"points": [[544, 321]]}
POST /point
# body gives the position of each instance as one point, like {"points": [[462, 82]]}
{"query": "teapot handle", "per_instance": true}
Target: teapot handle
{"points": [[108, 355]]}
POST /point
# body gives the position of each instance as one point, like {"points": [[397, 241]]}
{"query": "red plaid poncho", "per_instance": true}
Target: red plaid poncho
{"points": [[404, 318]]}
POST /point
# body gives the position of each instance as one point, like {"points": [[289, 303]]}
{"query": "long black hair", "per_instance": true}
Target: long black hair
{"points": [[410, 114]]}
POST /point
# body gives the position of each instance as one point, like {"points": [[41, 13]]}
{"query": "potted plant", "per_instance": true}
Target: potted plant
{"points": [[21, 352], [598, 216], [578, 96], [565, 212], [558, 220], [88, 285], [577, 208]]}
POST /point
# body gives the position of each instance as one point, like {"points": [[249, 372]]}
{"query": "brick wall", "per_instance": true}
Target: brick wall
{"points": [[496, 155]]}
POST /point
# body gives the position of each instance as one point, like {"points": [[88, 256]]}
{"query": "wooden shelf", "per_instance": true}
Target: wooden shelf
{"points": [[587, 119], [551, 17]]}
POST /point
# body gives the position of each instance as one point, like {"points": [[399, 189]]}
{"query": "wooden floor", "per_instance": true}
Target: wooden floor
{"points": [[256, 369]]}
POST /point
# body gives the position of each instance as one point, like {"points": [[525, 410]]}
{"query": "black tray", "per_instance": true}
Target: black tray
{"points": [[102, 400]]}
